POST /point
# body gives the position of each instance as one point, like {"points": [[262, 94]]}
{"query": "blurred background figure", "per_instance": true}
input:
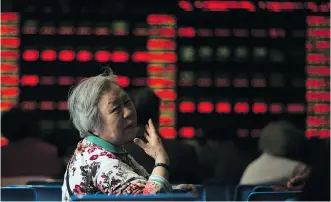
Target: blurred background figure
{"points": [[283, 148], [147, 105], [27, 156]]}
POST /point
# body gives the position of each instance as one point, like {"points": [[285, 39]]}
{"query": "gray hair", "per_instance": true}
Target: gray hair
{"points": [[83, 102]]}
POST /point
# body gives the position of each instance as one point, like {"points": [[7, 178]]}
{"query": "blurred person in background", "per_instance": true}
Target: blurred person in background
{"points": [[106, 119], [27, 156], [283, 147], [180, 154]]}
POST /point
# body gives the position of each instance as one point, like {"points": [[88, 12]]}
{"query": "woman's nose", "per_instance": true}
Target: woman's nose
{"points": [[126, 112]]}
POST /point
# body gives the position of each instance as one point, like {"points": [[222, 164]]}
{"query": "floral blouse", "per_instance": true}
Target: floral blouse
{"points": [[97, 166]]}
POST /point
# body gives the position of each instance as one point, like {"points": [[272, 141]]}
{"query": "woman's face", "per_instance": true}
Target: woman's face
{"points": [[119, 117]]}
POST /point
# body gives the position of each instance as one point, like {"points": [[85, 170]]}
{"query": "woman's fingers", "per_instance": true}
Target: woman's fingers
{"points": [[148, 138], [140, 143], [151, 127]]}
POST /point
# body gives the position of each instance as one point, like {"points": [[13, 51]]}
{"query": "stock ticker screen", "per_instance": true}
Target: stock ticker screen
{"points": [[236, 64]]}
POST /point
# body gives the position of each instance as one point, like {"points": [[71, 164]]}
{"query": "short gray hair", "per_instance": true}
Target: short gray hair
{"points": [[83, 102]]}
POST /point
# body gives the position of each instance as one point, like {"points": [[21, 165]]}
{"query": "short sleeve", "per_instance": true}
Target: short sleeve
{"points": [[116, 177]]}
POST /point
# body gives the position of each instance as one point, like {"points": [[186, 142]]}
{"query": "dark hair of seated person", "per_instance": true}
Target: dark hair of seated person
{"points": [[317, 186], [147, 105], [17, 124]]}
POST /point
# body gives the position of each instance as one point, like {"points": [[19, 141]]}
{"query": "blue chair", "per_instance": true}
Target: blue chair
{"points": [[18, 194], [243, 191], [48, 193], [40, 182], [44, 193], [263, 189], [216, 192], [273, 196], [156, 197]]}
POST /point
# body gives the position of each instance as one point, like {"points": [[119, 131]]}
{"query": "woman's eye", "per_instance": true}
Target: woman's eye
{"points": [[115, 108]]}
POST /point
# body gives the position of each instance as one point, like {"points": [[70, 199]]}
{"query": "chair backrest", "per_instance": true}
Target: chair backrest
{"points": [[48, 193], [273, 196], [156, 197], [44, 193], [18, 194], [243, 191], [40, 182], [263, 189]]}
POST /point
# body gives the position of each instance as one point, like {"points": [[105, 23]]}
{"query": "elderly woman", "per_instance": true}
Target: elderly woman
{"points": [[106, 120]]}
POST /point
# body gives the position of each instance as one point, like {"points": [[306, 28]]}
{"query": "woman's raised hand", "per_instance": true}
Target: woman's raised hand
{"points": [[153, 147]]}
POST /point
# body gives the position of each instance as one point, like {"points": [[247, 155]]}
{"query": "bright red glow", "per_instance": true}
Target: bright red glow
{"points": [[316, 83], [316, 20], [321, 32], [321, 108], [155, 68], [316, 57], [241, 107], [123, 81], [65, 80], [318, 70], [166, 120], [223, 107], [205, 107], [102, 56], [10, 42], [259, 108], [166, 57], [227, 5], [185, 5], [67, 55], [323, 45], [161, 44], [29, 105], [29, 80], [166, 94], [295, 108], [84, 56], [159, 82], [9, 16], [9, 29], [160, 19], [9, 92], [48, 55], [276, 108], [11, 80], [312, 133], [317, 121], [8, 67], [168, 132], [4, 141], [10, 54], [186, 32], [322, 95], [186, 107], [141, 56], [166, 32], [325, 134], [187, 132], [5, 105], [120, 56], [46, 105], [30, 55]]}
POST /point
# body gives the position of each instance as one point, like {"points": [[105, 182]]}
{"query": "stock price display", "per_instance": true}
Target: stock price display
{"points": [[212, 63]]}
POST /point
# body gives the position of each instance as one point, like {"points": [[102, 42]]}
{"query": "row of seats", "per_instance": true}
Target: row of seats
{"points": [[207, 193]]}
